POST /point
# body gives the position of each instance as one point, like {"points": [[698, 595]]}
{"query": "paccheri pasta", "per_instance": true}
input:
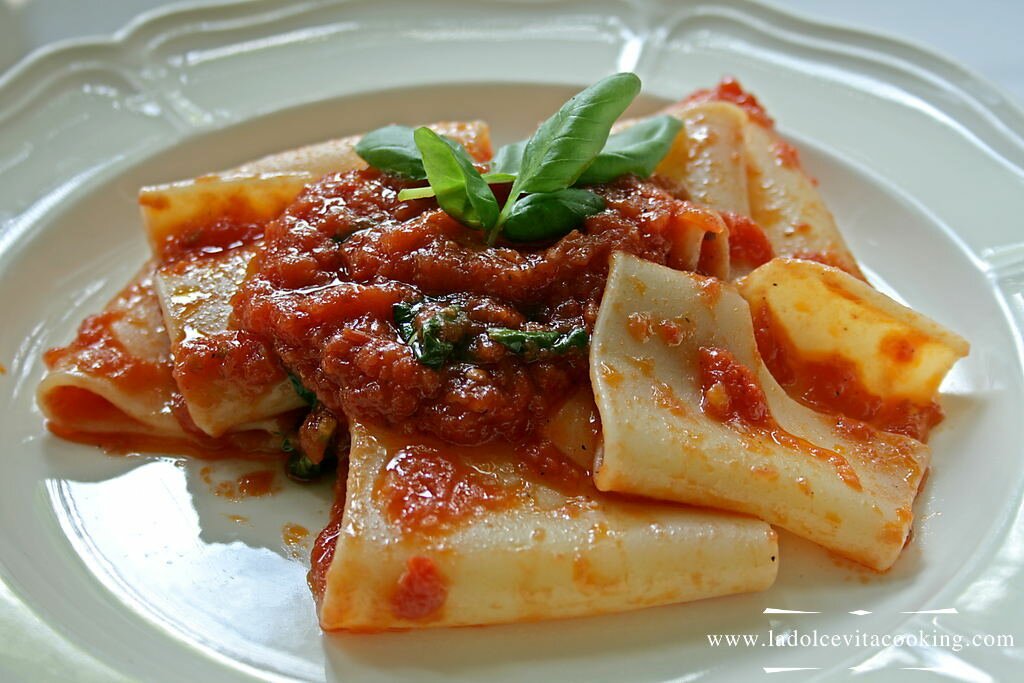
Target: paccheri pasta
{"points": [[584, 373]]}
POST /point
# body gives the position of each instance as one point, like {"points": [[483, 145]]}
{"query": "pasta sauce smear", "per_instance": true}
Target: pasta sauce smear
{"points": [[832, 384], [324, 291], [731, 394]]}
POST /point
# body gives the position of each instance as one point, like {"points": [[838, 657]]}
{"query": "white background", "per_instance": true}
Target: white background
{"points": [[982, 35]]}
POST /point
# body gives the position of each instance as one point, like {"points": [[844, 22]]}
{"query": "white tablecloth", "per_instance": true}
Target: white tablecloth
{"points": [[983, 35]]}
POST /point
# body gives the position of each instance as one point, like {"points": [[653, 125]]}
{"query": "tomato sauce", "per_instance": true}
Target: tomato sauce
{"points": [[832, 385], [96, 350], [234, 359], [421, 590], [748, 244], [234, 221], [254, 484], [546, 462], [640, 325], [729, 389], [327, 540], [321, 292], [731, 393], [207, 238], [730, 90], [294, 537], [674, 332], [664, 396], [72, 405], [83, 416], [426, 489], [786, 154], [126, 440], [901, 348]]}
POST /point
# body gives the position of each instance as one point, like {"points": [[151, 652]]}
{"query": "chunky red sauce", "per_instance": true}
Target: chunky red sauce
{"points": [[237, 222], [832, 385], [228, 232], [731, 393], [748, 245], [232, 359], [730, 90], [347, 250], [729, 389], [426, 489], [97, 351], [327, 540], [421, 590]]}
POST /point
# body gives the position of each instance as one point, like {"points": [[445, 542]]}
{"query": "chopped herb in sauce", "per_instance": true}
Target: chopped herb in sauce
{"points": [[305, 394], [302, 469], [434, 340], [533, 345]]}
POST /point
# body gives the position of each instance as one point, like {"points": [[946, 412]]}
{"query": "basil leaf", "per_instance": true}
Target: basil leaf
{"points": [[565, 144], [405, 320], [392, 149], [430, 347], [509, 158], [305, 394], [577, 338], [550, 214], [458, 186], [424, 192], [415, 193], [433, 342], [533, 344], [636, 150], [499, 178], [302, 469]]}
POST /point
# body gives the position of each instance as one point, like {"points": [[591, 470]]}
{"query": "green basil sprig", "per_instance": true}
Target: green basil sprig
{"points": [[532, 344], [634, 151], [509, 158], [564, 145], [424, 192], [534, 216], [443, 337], [460, 190], [302, 469], [570, 148], [393, 149], [307, 396], [434, 341]]}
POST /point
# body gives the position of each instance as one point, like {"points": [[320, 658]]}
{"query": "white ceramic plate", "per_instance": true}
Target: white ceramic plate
{"points": [[130, 567]]}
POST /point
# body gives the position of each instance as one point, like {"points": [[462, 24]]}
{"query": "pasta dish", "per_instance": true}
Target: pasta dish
{"points": [[586, 372]]}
